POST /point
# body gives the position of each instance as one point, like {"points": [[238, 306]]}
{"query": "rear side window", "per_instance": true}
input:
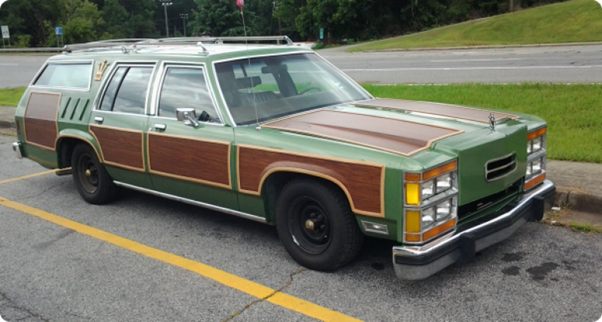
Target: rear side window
{"points": [[127, 90], [71, 75]]}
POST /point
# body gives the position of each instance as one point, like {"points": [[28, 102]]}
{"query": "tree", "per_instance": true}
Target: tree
{"points": [[219, 18]]}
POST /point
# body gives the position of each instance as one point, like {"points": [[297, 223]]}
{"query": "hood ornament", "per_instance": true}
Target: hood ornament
{"points": [[492, 121]]}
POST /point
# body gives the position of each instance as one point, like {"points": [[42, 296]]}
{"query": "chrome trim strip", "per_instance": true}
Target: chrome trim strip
{"points": [[17, 149], [194, 202], [423, 271]]}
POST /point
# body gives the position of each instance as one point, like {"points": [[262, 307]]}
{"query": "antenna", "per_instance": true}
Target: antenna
{"points": [[240, 4]]}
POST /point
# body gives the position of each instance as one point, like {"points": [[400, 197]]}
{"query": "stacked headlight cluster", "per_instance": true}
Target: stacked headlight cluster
{"points": [[431, 203], [536, 158]]}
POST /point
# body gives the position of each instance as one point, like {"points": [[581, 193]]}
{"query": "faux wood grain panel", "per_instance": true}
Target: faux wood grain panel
{"points": [[363, 182], [388, 134], [190, 159], [119, 147], [40, 121], [466, 113]]}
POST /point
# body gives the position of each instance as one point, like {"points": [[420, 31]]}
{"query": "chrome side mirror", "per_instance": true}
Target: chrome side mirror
{"points": [[187, 115]]}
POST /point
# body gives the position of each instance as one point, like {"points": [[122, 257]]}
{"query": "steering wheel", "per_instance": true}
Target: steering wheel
{"points": [[310, 89]]}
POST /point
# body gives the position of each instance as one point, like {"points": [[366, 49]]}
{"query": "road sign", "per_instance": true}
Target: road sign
{"points": [[321, 33], [5, 33], [58, 31]]}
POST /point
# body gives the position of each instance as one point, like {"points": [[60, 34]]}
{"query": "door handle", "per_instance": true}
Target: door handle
{"points": [[160, 127], [99, 119]]}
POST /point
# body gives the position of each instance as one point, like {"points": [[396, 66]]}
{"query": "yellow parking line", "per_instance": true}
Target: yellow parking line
{"points": [[29, 176], [230, 280]]}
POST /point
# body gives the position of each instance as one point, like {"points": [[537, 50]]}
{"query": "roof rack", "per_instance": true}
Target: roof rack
{"points": [[132, 44]]}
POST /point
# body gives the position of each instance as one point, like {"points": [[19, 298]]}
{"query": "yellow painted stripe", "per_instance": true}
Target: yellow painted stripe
{"points": [[29, 176], [230, 280]]}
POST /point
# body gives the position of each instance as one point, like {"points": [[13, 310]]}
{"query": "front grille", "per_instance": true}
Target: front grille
{"points": [[500, 167], [467, 210]]}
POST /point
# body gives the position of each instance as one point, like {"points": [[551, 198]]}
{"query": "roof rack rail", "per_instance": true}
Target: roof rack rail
{"points": [[131, 44]]}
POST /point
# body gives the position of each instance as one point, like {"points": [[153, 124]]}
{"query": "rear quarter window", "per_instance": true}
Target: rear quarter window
{"points": [[70, 75]]}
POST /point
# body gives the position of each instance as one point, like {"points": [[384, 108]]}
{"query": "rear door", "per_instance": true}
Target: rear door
{"points": [[187, 160], [119, 122]]}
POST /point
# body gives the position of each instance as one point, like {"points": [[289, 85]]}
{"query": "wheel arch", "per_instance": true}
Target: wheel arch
{"points": [[275, 179], [66, 142]]}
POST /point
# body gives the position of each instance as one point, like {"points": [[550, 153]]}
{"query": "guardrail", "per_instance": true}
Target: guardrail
{"points": [[32, 50]]}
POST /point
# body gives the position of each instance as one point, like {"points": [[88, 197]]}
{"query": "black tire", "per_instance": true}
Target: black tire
{"points": [[91, 179], [333, 238]]}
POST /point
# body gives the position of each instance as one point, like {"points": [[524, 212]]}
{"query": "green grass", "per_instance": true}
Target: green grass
{"points": [[572, 21], [573, 112], [11, 96], [586, 228]]}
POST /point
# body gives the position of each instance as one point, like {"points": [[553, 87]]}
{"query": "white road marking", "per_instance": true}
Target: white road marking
{"points": [[469, 68], [475, 59]]}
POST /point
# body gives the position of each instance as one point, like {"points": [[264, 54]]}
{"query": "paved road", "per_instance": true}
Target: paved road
{"points": [[565, 64], [50, 273], [19, 70], [570, 64]]}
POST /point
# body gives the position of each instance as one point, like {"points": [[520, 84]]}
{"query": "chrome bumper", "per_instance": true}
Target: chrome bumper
{"points": [[17, 149], [420, 262]]}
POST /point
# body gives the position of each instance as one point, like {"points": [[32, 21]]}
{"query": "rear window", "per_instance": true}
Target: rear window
{"points": [[72, 75]]}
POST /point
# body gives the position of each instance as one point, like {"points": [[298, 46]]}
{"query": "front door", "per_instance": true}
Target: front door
{"points": [[119, 123], [190, 159]]}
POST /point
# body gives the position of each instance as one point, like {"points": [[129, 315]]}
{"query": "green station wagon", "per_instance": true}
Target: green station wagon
{"points": [[263, 129]]}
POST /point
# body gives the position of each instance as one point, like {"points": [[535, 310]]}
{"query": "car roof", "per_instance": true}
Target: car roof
{"points": [[182, 48]]}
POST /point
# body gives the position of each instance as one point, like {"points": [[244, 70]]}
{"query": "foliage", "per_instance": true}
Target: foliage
{"points": [[574, 122]]}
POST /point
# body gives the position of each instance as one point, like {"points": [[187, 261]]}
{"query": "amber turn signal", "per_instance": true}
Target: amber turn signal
{"points": [[440, 170], [536, 133], [531, 183]]}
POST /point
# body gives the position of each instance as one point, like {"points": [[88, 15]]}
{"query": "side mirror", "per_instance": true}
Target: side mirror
{"points": [[187, 115]]}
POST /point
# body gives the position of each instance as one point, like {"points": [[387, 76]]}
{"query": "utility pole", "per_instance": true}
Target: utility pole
{"points": [[184, 16], [165, 4]]}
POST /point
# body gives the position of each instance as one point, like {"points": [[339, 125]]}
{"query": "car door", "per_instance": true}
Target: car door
{"points": [[190, 159], [119, 123]]}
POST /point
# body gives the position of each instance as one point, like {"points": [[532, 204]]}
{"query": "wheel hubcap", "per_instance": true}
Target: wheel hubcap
{"points": [[88, 174], [310, 225]]}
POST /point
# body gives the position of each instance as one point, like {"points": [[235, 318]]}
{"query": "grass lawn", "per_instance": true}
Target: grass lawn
{"points": [[573, 112], [572, 21], [11, 96]]}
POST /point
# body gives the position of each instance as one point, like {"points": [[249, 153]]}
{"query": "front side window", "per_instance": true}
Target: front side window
{"points": [[127, 90], [71, 75], [266, 88], [185, 87]]}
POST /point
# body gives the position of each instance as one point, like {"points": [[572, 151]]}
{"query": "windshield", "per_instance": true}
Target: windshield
{"points": [[266, 88]]}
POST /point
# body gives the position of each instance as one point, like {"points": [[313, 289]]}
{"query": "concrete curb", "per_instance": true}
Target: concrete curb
{"points": [[578, 200]]}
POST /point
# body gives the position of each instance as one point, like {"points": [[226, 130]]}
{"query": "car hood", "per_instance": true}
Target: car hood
{"points": [[396, 126]]}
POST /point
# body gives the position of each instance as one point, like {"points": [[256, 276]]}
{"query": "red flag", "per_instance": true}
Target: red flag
{"points": [[240, 3]]}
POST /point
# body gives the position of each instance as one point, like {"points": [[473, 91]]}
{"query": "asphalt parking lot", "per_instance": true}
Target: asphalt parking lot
{"points": [[144, 258]]}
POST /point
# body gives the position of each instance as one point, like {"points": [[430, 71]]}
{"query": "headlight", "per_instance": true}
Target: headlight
{"points": [[430, 202], [536, 158]]}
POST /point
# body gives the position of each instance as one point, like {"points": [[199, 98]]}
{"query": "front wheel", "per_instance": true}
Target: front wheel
{"points": [[316, 225], [91, 179]]}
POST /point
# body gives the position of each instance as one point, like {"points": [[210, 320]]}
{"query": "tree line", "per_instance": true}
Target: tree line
{"points": [[32, 22]]}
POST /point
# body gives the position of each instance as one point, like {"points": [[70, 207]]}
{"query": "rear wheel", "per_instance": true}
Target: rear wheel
{"points": [[91, 179], [316, 225]]}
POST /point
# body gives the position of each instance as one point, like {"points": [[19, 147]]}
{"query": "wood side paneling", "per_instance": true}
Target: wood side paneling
{"points": [[190, 159], [40, 119], [466, 113], [364, 183], [120, 147], [388, 134]]}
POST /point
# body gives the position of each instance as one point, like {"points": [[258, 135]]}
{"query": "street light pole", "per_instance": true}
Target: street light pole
{"points": [[184, 16], [165, 4]]}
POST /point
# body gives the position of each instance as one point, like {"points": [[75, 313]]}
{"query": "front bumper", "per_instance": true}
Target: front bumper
{"points": [[419, 262], [17, 149]]}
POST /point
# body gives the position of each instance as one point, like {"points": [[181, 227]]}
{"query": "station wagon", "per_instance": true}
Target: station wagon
{"points": [[263, 129]]}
